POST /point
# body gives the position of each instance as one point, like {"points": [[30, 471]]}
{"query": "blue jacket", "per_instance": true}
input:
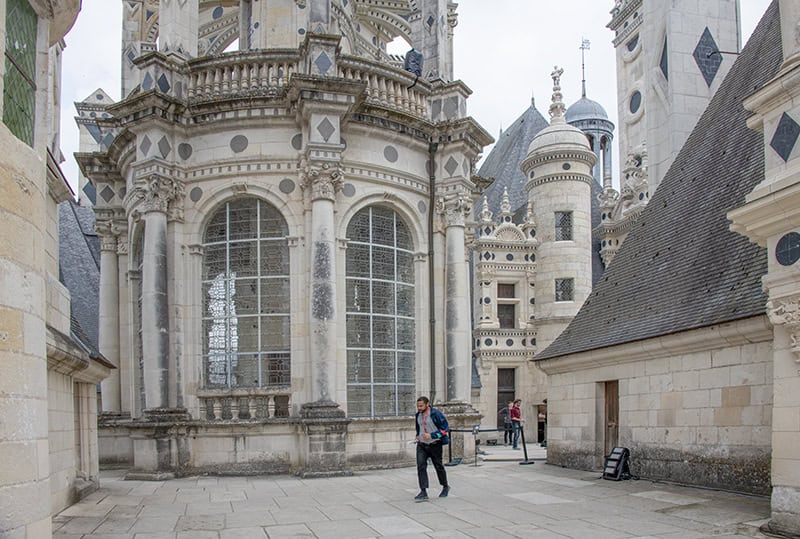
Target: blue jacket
{"points": [[440, 421]]}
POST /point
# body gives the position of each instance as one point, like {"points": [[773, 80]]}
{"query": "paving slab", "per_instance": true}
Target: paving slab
{"points": [[496, 499]]}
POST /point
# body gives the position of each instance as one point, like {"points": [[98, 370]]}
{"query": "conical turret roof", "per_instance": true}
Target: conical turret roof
{"points": [[503, 162]]}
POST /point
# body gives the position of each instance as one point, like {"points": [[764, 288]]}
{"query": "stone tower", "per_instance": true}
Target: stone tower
{"points": [[559, 171], [291, 213], [671, 58]]}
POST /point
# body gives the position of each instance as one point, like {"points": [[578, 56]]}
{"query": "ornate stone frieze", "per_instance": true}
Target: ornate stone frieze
{"points": [[786, 312]]}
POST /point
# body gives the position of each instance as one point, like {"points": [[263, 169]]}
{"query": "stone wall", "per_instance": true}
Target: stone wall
{"points": [[694, 416]]}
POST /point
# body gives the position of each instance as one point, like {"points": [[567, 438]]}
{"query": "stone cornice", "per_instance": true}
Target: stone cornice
{"points": [[625, 224], [550, 178], [586, 156], [65, 356], [745, 331], [769, 210], [782, 89]]}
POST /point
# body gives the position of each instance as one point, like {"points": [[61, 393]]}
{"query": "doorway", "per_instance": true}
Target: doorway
{"points": [[506, 386], [611, 416]]}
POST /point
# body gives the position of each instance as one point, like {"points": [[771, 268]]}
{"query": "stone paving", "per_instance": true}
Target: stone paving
{"points": [[496, 499]]}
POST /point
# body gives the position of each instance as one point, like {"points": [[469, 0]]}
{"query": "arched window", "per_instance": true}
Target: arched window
{"points": [[246, 297], [380, 315]]}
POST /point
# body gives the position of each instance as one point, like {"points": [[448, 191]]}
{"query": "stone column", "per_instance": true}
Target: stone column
{"points": [[156, 195], [108, 335], [607, 165], [323, 181], [126, 392], [458, 339], [178, 25]]}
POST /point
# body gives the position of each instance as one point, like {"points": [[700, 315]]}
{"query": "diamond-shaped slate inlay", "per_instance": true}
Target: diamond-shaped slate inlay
{"points": [[707, 56], [147, 82], [145, 145], [326, 129], [107, 193], [664, 62], [785, 136], [163, 83], [430, 20], [164, 147], [451, 166], [323, 63], [91, 192]]}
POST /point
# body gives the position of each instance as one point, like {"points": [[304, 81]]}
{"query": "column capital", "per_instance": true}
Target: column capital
{"points": [[455, 208], [108, 231], [156, 193], [786, 312], [322, 180]]}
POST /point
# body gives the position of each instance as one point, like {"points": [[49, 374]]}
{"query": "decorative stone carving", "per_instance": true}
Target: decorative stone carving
{"points": [[557, 107], [157, 193], [108, 231], [786, 312], [323, 180], [455, 209], [122, 245]]}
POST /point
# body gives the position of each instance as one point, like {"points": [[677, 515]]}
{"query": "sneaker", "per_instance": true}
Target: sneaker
{"points": [[445, 492], [423, 495]]}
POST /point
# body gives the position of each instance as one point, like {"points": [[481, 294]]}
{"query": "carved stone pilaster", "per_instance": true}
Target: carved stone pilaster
{"points": [[122, 245], [786, 312]]}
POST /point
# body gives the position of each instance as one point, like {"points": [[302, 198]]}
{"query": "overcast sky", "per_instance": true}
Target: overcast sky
{"points": [[504, 51]]}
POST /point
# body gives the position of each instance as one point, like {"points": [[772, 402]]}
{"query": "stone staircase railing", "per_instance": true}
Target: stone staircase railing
{"points": [[251, 73]]}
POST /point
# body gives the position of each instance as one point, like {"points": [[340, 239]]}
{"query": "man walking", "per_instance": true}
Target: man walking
{"points": [[432, 436]]}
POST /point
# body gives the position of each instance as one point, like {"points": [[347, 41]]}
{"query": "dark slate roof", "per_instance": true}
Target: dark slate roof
{"points": [[503, 162], [680, 268], [79, 270]]}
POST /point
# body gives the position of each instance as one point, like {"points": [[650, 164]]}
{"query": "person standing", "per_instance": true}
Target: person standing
{"points": [[505, 413], [516, 422], [432, 436]]}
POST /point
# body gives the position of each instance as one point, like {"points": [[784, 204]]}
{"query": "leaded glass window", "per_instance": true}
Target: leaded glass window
{"points": [[563, 225], [565, 289], [246, 337], [380, 315], [19, 87]]}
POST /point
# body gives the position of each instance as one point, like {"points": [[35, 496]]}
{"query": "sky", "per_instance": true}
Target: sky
{"points": [[504, 51]]}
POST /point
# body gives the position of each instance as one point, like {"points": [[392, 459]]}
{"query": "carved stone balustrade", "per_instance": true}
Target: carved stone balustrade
{"points": [[243, 404]]}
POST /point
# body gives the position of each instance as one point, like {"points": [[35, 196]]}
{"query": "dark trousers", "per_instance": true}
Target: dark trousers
{"points": [[508, 433], [517, 426], [433, 452]]}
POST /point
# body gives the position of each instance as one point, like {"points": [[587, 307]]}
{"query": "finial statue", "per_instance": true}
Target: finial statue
{"points": [[556, 74], [486, 213], [557, 108]]}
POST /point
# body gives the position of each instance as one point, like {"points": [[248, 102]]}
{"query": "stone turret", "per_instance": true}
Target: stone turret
{"points": [[559, 171]]}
